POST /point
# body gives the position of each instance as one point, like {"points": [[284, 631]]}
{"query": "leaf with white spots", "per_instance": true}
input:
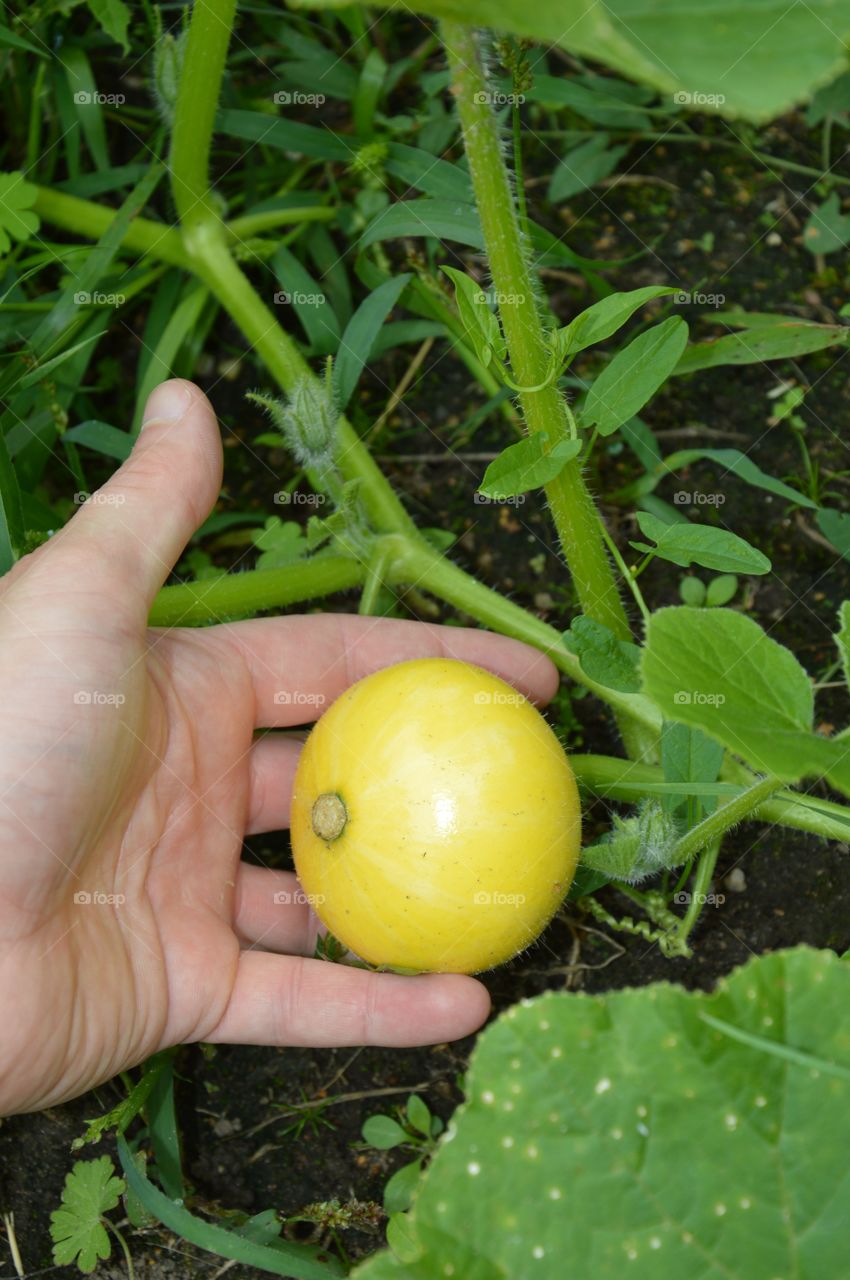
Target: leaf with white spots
{"points": [[651, 1134]]}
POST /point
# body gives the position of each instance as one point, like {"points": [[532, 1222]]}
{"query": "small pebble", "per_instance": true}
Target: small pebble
{"points": [[736, 881]]}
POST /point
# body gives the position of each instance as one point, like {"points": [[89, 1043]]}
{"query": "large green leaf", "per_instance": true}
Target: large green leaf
{"points": [[753, 59], [717, 670], [653, 1134]]}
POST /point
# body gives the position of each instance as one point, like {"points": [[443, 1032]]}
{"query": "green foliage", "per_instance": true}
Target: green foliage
{"points": [[603, 656], [17, 220], [584, 166], [76, 1228], [591, 1102], [687, 544], [721, 673], [634, 376], [827, 229], [527, 465]]}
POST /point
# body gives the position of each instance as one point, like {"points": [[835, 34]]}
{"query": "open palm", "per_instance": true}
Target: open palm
{"points": [[130, 773]]}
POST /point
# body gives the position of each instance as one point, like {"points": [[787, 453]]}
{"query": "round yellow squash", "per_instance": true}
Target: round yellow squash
{"points": [[435, 818]]}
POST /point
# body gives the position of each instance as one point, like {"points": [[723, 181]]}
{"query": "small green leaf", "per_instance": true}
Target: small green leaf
{"points": [[281, 543], [634, 375], [603, 656], [687, 544], [605, 317], [721, 590], [774, 341], [401, 1238], [842, 639], [583, 167], [828, 229], [418, 1115], [114, 18], [692, 592], [17, 221], [383, 1132], [835, 525], [91, 1190], [398, 1193], [355, 345], [526, 465], [717, 670], [477, 318], [737, 463], [102, 438]]}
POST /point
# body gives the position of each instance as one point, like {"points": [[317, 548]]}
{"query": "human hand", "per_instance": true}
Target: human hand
{"points": [[129, 775]]}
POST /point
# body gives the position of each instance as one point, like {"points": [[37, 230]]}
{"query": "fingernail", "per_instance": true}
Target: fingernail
{"points": [[167, 402]]}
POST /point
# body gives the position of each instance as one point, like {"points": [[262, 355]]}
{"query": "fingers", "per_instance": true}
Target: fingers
{"points": [[273, 762], [299, 665], [287, 1000], [271, 911], [132, 531]]}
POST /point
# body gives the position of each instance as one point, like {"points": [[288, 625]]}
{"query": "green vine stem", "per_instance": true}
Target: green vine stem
{"points": [[236, 595], [194, 114], [699, 889], [573, 511], [724, 818]]}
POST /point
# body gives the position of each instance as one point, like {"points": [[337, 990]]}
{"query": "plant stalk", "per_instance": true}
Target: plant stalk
{"points": [[573, 510]]}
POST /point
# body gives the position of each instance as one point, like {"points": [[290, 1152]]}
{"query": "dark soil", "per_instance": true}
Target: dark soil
{"points": [[794, 889]]}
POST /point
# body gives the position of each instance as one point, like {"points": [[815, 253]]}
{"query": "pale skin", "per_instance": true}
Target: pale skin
{"points": [[131, 769]]}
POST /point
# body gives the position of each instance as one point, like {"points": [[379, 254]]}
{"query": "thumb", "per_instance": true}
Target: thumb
{"points": [[131, 532]]}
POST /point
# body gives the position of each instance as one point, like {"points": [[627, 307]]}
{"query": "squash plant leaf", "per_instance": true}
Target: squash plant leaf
{"points": [[567, 1156], [78, 1234], [718, 671], [526, 465], [687, 544], [634, 375]]}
